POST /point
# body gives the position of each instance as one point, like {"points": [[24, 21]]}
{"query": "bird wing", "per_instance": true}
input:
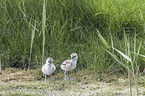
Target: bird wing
{"points": [[66, 64], [47, 69]]}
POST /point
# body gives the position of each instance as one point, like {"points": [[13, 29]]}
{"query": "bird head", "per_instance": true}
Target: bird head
{"points": [[49, 61], [74, 56]]}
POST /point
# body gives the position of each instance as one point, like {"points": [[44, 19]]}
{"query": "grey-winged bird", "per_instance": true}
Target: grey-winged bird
{"points": [[69, 65]]}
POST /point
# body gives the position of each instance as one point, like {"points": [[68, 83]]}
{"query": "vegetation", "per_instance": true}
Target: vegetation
{"points": [[32, 31], [70, 27], [13, 81], [130, 58]]}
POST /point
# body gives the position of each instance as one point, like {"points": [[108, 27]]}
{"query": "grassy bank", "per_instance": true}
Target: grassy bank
{"points": [[16, 82], [70, 27]]}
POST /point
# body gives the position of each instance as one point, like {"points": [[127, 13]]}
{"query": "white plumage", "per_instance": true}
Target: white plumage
{"points": [[69, 65], [48, 68]]}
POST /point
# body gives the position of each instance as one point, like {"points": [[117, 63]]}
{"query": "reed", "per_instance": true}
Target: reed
{"points": [[32, 40], [131, 58], [0, 66], [43, 28], [69, 27]]}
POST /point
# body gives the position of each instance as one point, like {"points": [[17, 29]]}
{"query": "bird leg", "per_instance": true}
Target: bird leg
{"points": [[52, 78], [65, 75], [68, 75], [45, 78]]}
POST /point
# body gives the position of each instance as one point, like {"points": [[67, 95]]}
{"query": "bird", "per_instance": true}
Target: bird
{"points": [[48, 68], [69, 65]]}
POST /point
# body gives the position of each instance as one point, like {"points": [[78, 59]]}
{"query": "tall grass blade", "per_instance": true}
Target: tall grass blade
{"points": [[134, 47], [32, 39], [140, 55], [103, 40], [139, 50], [128, 53], [22, 11], [137, 54], [125, 56], [136, 77], [117, 59], [125, 40], [112, 41], [0, 65], [43, 28]]}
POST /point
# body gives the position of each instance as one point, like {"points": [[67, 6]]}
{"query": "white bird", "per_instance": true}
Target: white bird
{"points": [[69, 65], [48, 68]]}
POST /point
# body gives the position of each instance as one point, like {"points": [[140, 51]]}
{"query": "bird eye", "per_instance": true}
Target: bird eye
{"points": [[49, 61], [73, 57]]}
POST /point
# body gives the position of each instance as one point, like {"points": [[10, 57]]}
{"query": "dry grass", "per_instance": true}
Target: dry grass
{"points": [[16, 82]]}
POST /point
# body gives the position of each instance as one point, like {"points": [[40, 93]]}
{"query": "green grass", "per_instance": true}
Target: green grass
{"points": [[130, 57], [14, 82], [70, 26]]}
